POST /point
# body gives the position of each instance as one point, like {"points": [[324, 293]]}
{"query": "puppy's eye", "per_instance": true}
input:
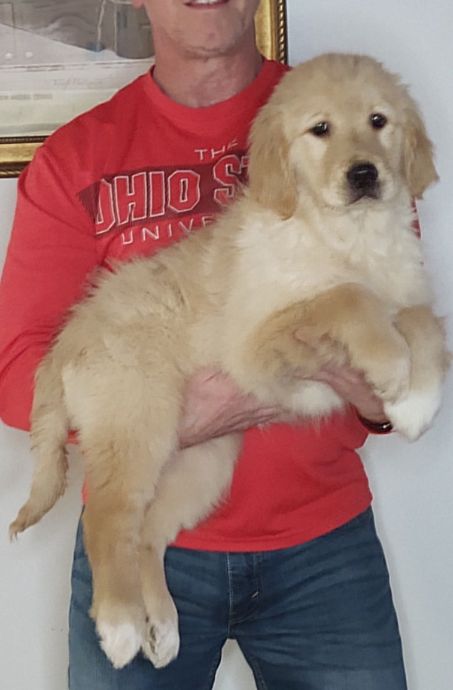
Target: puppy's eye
{"points": [[321, 129], [378, 121]]}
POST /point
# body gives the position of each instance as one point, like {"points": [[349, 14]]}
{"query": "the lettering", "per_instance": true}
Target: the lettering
{"points": [[227, 171], [105, 215], [130, 198], [183, 190]]}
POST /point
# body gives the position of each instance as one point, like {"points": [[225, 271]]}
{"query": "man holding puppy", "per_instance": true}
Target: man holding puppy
{"points": [[290, 565]]}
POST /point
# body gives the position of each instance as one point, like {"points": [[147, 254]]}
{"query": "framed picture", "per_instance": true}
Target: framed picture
{"points": [[62, 57]]}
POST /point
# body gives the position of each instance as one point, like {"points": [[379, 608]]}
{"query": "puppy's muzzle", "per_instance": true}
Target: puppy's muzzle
{"points": [[363, 181]]}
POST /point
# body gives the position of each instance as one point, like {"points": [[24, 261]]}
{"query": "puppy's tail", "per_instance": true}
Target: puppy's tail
{"points": [[49, 430]]}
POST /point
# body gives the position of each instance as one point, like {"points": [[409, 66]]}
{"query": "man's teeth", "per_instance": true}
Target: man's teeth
{"points": [[205, 2]]}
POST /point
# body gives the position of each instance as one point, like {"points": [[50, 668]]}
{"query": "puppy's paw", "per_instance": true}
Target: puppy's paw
{"points": [[390, 379], [412, 415], [120, 642], [161, 642], [121, 634]]}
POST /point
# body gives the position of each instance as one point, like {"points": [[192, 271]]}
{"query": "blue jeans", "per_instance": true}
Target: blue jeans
{"points": [[314, 617]]}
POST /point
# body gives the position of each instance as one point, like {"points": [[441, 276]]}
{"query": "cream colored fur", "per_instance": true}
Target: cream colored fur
{"points": [[295, 251]]}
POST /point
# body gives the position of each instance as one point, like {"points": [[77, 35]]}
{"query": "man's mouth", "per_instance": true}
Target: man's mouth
{"points": [[206, 3]]}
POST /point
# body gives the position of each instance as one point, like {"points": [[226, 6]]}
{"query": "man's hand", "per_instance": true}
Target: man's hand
{"points": [[350, 384], [214, 406]]}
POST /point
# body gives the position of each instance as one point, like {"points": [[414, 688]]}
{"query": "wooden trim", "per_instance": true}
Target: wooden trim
{"points": [[16, 153], [271, 29]]}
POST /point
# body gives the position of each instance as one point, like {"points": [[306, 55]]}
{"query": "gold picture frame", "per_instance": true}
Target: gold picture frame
{"points": [[17, 151]]}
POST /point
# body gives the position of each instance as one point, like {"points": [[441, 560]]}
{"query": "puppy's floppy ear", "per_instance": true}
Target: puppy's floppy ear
{"points": [[272, 180], [418, 155]]}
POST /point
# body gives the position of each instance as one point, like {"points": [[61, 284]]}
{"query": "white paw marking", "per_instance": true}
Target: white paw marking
{"points": [[162, 643], [120, 642], [412, 415]]}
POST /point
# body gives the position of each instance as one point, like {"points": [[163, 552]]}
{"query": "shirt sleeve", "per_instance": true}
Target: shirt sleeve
{"points": [[50, 253]]}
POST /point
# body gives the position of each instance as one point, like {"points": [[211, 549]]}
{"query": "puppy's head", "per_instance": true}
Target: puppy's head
{"points": [[341, 130]]}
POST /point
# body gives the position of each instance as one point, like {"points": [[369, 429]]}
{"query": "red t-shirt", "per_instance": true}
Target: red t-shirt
{"points": [[129, 178]]}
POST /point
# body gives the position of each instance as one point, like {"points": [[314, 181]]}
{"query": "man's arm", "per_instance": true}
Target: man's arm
{"points": [[215, 406], [50, 253]]}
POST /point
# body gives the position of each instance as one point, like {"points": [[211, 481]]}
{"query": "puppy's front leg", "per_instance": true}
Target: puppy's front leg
{"points": [[356, 317], [275, 352], [425, 335], [344, 324]]}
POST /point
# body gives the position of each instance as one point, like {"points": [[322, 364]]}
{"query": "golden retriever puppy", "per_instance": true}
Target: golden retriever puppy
{"points": [[320, 241]]}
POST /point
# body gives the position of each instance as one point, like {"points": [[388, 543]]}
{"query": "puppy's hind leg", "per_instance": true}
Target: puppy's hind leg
{"points": [[124, 461], [190, 487]]}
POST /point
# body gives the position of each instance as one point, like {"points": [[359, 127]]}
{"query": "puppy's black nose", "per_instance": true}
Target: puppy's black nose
{"points": [[362, 177]]}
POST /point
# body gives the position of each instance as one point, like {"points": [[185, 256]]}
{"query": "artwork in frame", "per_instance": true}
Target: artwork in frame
{"points": [[58, 58]]}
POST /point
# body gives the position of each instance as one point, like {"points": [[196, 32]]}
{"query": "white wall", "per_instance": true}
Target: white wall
{"points": [[411, 483]]}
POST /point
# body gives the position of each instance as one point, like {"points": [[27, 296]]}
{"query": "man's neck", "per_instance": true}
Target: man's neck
{"points": [[202, 81]]}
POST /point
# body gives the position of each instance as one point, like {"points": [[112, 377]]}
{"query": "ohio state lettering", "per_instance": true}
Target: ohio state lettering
{"points": [[117, 202]]}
